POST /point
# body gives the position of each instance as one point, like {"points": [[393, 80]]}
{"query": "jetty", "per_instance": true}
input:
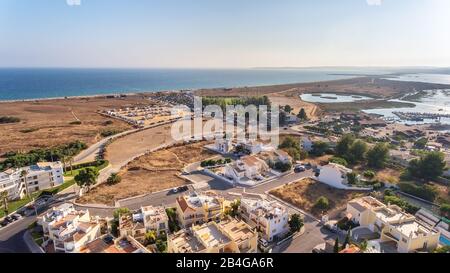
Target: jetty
{"points": [[418, 116]]}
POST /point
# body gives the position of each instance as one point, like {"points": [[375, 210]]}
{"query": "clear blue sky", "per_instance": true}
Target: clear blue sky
{"points": [[224, 33]]}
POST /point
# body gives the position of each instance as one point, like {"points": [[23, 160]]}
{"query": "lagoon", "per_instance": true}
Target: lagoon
{"points": [[332, 98]]}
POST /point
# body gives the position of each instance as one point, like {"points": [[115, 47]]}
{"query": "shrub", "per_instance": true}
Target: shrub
{"points": [[28, 130], [445, 210], [109, 132], [76, 122], [369, 174], [339, 160], [7, 119], [394, 200], [322, 203], [426, 192]]}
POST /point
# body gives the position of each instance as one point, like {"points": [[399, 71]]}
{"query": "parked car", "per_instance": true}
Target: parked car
{"points": [[183, 188], [9, 219], [299, 169], [174, 190], [4, 223], [16, 216]]}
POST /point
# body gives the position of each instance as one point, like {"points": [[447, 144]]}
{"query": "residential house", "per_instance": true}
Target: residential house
{"points": [[246, 168], [223, 146], [133, 226], [405, 231], [270, 218], [155, 218], [228, 236], [334, 175], [41, 176], [67, 229], [197, 208]]}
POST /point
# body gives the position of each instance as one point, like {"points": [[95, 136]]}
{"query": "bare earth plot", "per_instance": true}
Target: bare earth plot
{"points": [[150, 173], [47, 123], [304, 194]]}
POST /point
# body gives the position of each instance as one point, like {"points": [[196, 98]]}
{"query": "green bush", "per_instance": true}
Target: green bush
{"points": [[322, 203], [76, 122], [394, 200], [445, 210], [369, 174], [426, 192], [339, 160], [7, 119]]}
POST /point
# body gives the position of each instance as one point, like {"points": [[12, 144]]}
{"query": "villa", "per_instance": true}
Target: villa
{"points": [[155, 218], [67, 229], [334, 175], [269, 217], [246, 168], [43, 175], [404, 231], [197, 208], [228, 236]]}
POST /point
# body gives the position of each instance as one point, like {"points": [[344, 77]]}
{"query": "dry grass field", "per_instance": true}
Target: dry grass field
{"points": [[304, 194], [150, 173], [48, 123]]}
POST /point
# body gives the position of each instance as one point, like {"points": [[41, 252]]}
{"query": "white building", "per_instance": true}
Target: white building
{"points": [[334, 175], [43, 175], [155, 218], [223, 146], [248, 167], [270, 217], [67, 229]]}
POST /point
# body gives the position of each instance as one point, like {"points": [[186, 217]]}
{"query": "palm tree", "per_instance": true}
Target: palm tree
{"points": [[85, 178], [4, 197], [23, 175], [114, 179]]}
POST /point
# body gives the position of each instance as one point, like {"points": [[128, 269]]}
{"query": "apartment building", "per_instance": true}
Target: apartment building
{"points": [[43, 175], [228, 236], [67, 229], [395, 226], [270, 218], [197, 208]]}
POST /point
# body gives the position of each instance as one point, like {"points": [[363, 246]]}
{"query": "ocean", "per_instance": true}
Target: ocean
{"points": [[28, 83]]}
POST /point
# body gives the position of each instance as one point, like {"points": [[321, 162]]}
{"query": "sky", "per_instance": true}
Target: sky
{"points": [[224, 33]]}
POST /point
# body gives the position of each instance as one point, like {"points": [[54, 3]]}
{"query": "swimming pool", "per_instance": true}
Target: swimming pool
{"points": [[444, 241]]}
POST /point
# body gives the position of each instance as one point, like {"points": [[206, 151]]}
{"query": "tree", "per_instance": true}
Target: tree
{"points": [[369, 174], [319, 148], [336, 245], [344, 144], [430, 166], [378, 156], [357, 151], [4, 197], [352, 178], [288, 109], [364, 245], [23, 175], [347, 240], [302, 114], [296, 223], [86, 178], [113, 179], [150, 237], [234, 209]]}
